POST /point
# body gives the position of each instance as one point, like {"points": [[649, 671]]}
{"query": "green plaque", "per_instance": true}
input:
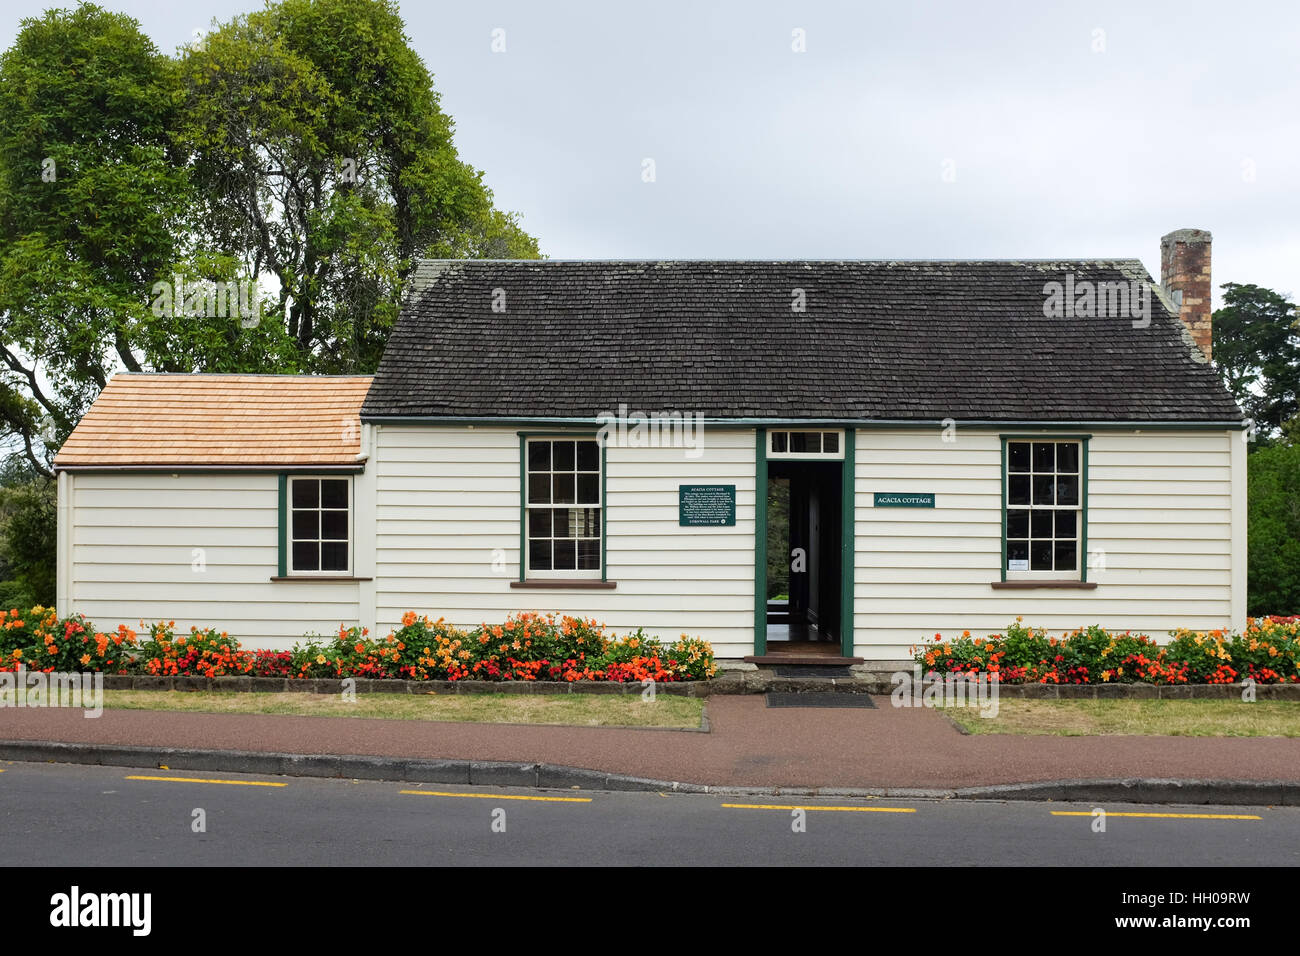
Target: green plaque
{"points": [[904, 499], [704, 505]]}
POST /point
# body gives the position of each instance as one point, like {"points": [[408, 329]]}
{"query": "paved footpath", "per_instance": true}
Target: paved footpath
{"points": [[748, 745]]}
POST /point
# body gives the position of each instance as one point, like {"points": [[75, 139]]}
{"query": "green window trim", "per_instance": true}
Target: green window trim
{"points": [[1083, 441], [282, 565], [1003, 562], [848, 544], [560, 433], [760, 541], [604, 515], [283, 571], [523, 503]]}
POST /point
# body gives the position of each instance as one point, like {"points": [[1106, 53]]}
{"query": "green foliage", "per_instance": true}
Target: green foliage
{"points": [[778, 538], [1267, 652], [1291, 431], [524, 647], [301, 147], [28, 542], [38, 639], [692, 657], [1273, 531], [1257, 353], [92, 196], [322, 155], [1024, 647]]}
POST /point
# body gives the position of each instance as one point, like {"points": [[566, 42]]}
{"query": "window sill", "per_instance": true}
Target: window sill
{"points": [[574, 584], [319, 577], [1024, 585]]}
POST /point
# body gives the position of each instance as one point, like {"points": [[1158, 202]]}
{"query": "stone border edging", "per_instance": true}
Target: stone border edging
{"points": [[387, 686], [730, 682], [1146, 691], [552, 776]]}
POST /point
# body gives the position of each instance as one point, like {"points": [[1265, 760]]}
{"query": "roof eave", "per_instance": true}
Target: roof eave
{"points": [[1126, 425], [353, 466]]}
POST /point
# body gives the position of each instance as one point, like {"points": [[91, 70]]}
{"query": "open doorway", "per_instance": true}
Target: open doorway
{"points": [[804, 529]]}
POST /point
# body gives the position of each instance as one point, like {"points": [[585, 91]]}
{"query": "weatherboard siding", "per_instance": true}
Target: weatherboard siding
{"points": [[132, 540], [437, 514], [1160, 538], [447, 536]]}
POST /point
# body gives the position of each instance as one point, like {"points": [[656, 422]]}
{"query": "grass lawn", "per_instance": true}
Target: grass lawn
{"points": [[1171, 718], [580, 710]]}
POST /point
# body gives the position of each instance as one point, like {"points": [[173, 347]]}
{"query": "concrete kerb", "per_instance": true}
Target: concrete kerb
{"points": [[558, 777]]}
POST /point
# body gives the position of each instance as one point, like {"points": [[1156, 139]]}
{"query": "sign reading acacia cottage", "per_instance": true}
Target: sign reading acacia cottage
{"points": [[894, 499]]}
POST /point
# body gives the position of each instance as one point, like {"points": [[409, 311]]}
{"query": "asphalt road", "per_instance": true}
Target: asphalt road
{"points": [[271, 821]]}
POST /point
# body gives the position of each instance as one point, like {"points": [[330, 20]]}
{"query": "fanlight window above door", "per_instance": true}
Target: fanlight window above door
{"points": [[819, 443]]}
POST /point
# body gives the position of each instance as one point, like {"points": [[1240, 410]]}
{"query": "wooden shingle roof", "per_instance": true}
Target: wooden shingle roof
{"points": [[890, 341], [219, 421]]}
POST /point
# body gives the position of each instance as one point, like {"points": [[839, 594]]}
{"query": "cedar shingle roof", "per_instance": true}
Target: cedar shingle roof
{"points": [[220, 420], [904, 341]]}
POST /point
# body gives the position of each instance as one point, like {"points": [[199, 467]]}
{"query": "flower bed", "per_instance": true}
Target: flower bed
{"points": [[526, 647], [1267, 652]]}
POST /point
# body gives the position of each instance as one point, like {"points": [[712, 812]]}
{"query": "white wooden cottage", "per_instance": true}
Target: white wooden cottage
{"points": [[954, 444]]}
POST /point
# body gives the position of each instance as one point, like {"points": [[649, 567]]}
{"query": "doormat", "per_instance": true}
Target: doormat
{"points": [[813, 670], [789, 699]]}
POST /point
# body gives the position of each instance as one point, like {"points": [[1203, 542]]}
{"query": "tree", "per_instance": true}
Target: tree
{"points": [[1291, 431], [1273, 530], [778, 537], [322, 157], [1257, 353], [28, 527], [91, 195], [301, 145]]}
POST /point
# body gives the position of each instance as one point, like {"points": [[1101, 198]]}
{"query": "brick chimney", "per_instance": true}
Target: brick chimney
{"points": [[1185, 277]]}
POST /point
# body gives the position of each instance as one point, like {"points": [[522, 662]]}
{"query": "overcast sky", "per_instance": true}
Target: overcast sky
{"points": [[915, 130]]}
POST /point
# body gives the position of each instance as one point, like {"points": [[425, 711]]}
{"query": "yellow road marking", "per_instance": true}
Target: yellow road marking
{"points": [[774, 806], [497, 796], [233, 783], [1175, 816]]}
